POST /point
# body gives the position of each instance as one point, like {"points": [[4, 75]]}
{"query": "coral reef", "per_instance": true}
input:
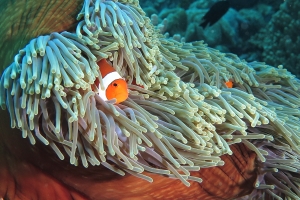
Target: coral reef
{"points": [[231, 34], [279, 40]]}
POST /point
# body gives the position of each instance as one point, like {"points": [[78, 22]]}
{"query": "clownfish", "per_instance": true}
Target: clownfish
{"points": [[114, 85], [229, 84]]}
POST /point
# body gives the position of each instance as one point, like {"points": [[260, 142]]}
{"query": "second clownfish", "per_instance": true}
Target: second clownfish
{"points": [[229, 84], [114, 85]]}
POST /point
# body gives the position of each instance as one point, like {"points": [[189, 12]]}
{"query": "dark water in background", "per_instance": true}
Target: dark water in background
{"points": [[261, 30]]}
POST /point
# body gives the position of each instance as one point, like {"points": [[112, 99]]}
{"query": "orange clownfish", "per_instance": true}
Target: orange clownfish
{"points": [[114, 85], [229, 84]]}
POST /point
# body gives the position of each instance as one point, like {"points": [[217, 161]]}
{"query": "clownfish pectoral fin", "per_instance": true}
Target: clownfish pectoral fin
{"points": [[114, 85], [229, 84]]}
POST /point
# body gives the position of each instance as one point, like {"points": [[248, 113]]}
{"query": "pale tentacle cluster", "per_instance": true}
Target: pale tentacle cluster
{"points": [[179, 117]]}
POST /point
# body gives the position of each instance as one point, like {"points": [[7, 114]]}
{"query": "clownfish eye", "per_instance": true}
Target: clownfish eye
{"points": [[115, 84]]}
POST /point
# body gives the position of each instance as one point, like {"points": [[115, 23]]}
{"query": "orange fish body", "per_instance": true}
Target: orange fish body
{"points": [[229, 84], [114, 85]]}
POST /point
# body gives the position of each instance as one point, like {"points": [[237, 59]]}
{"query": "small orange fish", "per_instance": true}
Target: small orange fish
{"points": [[114, 85], [229, 84]]}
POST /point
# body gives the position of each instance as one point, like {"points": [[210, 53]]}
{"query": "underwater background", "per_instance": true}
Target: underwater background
{"points": [[188, 106], [255, 30]]}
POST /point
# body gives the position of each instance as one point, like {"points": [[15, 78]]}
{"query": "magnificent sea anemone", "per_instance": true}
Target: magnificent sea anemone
{"points": [[183, 132]]}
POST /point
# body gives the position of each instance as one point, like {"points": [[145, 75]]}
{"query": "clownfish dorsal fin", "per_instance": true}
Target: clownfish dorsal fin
{"points": [[105, 67]]}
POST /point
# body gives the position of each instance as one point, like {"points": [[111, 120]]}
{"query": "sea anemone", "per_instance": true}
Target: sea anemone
{"points": [[180, 116]]}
